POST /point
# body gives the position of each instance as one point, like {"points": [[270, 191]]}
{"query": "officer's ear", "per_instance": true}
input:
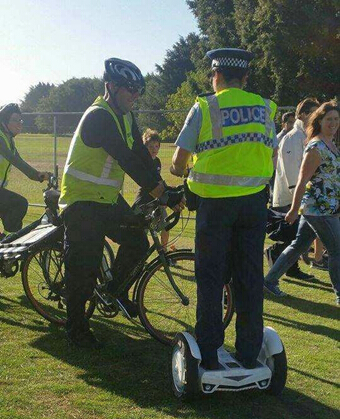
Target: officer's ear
{"points": [[245, 79]]}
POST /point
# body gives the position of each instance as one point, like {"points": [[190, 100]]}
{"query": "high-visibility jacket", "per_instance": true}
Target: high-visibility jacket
{"points": [[5, 165], [91, 174], [235, 145]]}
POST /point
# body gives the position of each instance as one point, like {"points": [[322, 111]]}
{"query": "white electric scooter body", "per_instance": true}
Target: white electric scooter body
{"points": [[190, 378]]}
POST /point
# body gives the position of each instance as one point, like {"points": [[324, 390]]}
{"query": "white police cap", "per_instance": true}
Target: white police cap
{"points": [[229, 58]]}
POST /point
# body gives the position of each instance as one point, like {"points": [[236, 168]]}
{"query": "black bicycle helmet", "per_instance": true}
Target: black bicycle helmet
{"points": [[124, 73], [7, 110]]}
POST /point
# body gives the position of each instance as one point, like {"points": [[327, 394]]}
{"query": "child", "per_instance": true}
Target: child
{"points": [[152, 141]]}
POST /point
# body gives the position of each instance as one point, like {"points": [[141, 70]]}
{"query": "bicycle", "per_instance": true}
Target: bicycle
{"points": [[164, 288], [18, 248]]}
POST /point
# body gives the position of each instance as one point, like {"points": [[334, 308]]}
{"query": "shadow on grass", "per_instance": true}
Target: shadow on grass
{"points": [[306, 306], [315, 284], [316, 329], [137, 369]]}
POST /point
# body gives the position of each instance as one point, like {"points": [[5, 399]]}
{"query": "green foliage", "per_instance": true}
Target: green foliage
{"points": [[74, 95], [182, 100], [31, 102]]}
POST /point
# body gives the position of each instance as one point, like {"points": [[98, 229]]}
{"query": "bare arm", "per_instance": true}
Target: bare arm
{"points": [[180, 160], [310, 163]]}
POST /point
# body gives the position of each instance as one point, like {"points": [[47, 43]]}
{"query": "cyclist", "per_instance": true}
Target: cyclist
{"points": [[106, 145], [13, 207]]}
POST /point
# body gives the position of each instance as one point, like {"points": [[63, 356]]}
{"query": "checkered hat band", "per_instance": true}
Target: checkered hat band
{"points": [[235, 139], [229, 62]]}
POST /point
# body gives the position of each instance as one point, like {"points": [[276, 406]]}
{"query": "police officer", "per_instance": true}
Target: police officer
{"points": [[232, 136], [13, 206], [105, 146]]}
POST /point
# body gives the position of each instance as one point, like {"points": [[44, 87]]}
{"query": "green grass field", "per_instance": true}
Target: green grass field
{"points": [[41, 377]]}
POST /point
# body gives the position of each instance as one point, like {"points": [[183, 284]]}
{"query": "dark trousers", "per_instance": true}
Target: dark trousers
{"points": [[230, 235], [86, 225], [13, 208]]}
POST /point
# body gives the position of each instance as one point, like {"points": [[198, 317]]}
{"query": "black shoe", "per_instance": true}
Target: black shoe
{"points": [[86, 340], [211, 364], [129, 307], [295, 272], [246, 363]]}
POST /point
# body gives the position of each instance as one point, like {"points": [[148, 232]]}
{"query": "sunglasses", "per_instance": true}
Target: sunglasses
{"points": [[134, 88]]}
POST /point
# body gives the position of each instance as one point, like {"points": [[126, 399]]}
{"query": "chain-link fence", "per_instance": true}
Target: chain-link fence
{"points": [[48, 149]]}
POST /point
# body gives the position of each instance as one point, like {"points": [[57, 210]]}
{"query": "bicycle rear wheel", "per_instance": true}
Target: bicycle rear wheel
{"points": [[161, 310], [44, 284]]}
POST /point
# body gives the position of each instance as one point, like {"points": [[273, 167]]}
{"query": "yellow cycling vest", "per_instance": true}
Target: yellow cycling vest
{"points": [[91, 174], [235, 145], [5, 165]]}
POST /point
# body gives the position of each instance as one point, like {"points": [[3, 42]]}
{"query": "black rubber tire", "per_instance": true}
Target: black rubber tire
{"points": [[41, 275], [108, 253], [191, 387], [160, 309], [278, 365]]}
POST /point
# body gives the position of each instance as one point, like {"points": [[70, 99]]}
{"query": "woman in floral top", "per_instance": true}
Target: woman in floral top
{"points": [[316, 197]]}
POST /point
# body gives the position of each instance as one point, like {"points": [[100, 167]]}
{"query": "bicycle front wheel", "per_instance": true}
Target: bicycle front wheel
{"points": [[44, 284], [161, 310]]}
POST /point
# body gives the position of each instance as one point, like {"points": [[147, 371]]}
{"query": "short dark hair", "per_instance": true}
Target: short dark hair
{"points": [[233, 73], [286, 116], [305, 106]]}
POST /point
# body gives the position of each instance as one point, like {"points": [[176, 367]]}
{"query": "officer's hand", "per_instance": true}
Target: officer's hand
{"points": [[291, 216], [173, 199], [44, 176]]}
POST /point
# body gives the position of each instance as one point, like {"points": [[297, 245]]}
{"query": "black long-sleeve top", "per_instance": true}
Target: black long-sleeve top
{"points": [[100, 130]]}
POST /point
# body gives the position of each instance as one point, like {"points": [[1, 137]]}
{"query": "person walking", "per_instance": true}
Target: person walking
{"points": [[232, 136], [316, 197]]}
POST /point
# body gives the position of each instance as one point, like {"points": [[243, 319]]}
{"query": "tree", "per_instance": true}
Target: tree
{"points": [[31, 102], [74, 95]]}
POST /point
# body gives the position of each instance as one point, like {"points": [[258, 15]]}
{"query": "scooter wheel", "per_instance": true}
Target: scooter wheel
{"points": [[278, 365], [184, 371]]}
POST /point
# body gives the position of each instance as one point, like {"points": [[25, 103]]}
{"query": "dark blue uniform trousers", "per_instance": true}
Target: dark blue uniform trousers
{"points": [[230, 235], [86, 225]]}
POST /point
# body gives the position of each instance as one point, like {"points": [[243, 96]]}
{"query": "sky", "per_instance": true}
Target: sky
{"points": [[55, 40]]}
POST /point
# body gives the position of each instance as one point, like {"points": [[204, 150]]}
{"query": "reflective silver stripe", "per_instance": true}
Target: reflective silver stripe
{"points": [[215, 116], [268, 123], [93, 179], [256, 137], [107, 167], [226, 180]]}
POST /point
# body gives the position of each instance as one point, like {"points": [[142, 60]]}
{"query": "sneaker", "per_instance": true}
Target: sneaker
{"points": [[128, 307], [274, 289], [298, 274], [86, 340], [322, 264]]}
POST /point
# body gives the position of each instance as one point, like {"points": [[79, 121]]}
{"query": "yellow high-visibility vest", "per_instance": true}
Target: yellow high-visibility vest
{"points": [[235, 145], [91, 174], [5, 165]]}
